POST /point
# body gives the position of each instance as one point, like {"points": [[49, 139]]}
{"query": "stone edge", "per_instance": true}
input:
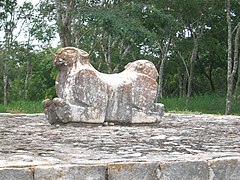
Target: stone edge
{"points": [[219, 168]]}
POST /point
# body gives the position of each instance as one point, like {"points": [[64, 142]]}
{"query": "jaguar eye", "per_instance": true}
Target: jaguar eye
{"points": [[60, 59]]}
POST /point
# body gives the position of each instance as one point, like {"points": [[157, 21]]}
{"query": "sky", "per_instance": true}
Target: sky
{"points": [[34, 2]]}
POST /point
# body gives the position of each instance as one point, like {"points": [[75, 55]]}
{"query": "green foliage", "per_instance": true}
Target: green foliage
{"points": [[41, 26], [43, 77], [35, 75], [116, 22], [115, 33]]}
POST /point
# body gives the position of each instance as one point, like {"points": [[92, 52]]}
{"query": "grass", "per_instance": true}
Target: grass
{"points": [[17, 107], [201, 104], [2, 109]]}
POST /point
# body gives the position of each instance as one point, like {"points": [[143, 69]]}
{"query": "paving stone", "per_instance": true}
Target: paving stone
{"points": [[179, 143], [225, 168], [70, 172], [197, 170], [133, 171], [16, 174]]}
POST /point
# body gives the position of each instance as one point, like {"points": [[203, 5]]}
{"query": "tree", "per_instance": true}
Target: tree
{"points": [[186, 40], [194, 17], [106, 29], [65, 13], [8, 22], [17, 55], [163, 28], [233, 55]]}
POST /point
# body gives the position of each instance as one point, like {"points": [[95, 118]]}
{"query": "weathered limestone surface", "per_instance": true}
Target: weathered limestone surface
{"points": [[224, 168], [184, 170], [86, 95], [16, 174], [140, 170], [71, 172], [179, 147]]}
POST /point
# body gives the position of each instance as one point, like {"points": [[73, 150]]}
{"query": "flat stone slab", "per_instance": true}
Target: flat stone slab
{"points": [[179, 147]]}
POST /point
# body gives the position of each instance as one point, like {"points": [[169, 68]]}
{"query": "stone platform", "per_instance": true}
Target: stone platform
{"points": [[179, 147]]}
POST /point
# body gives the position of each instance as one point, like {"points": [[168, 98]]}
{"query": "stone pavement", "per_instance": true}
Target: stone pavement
{"points": [[179, 147]]}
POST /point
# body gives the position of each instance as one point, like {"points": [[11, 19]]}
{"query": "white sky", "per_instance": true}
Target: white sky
{"points": [[34, 2]]}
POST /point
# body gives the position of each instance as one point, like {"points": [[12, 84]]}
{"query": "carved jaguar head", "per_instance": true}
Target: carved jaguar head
{"points": [[144, 67], [68, 56]]}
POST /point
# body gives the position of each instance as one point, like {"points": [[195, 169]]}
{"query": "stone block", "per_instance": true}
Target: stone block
{"points": [[16, 174], [224, 168], [197, 170], [133, 171], [70, 172]]}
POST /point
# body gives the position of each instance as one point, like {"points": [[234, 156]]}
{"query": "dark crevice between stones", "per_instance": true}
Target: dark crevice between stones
{"points": [[32, 169], [107, 175]]}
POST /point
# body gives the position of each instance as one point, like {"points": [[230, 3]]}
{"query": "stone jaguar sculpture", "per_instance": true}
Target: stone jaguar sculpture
{"points": [[86, 95]]}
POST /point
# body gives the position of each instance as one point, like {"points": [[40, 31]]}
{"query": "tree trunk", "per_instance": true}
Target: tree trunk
{"points": [[106, 51], [229, 60], [192, 65], [180, 84], [8, 57], [232, 62], [238, 81], [5, 83], [183, 78], [64, 21], [27, 77], [210, 79], [109, 49], [164, 51], [160, 79]]}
